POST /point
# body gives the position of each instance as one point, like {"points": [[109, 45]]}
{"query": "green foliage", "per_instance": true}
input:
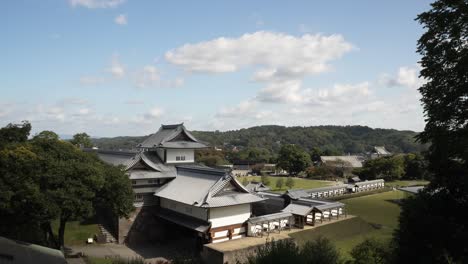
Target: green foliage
{"points": [[82, 140], [391, 168], [46, 135], [277, 252], [293, 159], [433, 226], [266, 141], [279, 183], [319, 250], [14, 133], [371, 251], [46, 179], [290, 182], [210, 157], [265, 180]]}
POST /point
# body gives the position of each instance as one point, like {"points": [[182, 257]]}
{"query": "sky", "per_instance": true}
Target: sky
{"points": [[123, 67]]}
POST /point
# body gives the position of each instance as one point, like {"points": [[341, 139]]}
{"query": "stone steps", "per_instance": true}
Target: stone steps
{"points": [[108, 237]]}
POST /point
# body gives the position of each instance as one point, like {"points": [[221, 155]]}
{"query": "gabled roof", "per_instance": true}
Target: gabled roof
{"points": [[305, 206], [381, 150], [172, 136], [13, 251], [257, 187], [369, 182], [113, 157], [296, 193], [146, 165], [349, 161], [206, 187]]}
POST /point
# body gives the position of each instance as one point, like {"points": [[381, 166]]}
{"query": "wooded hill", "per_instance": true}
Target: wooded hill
{"points": [[334, 140]]}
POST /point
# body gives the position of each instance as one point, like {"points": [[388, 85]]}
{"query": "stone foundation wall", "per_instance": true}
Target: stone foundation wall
{"points": [[142, 226]]}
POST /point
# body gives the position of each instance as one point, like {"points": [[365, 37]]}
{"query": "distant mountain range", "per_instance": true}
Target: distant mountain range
{"points": [[337, 140]]}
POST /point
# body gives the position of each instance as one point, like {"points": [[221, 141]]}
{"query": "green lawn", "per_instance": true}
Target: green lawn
{"points": [[77, 233], [377, 217], [406, 183], [94, 260], [299, 183]]}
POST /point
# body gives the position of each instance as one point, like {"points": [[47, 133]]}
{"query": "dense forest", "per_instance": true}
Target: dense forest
{"points": [[333, 140]]}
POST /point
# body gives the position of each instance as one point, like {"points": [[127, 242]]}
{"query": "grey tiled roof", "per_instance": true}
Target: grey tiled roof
{"points": [[184, 220], [145, 174], [166, 137], [153, 163], [381, 150], [296, 193], [201, 186], [304, 207], [327, 188], [257, 187], [113, 157], [349, 161], [269, 217], [368, 182], [23, 252], [298, 209], [145, 190]]}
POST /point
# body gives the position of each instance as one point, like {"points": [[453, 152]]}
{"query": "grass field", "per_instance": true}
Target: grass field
{"points": [[299, 183], [406, 183], [377, 217], [76, 233]]}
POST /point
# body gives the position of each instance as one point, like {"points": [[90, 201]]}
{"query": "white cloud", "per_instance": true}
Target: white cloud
{"points": [[84, 111], [276, 54], [150, 76], [96, 3], [117, 69], [244, 108], [121, 19], [407, 76], [154, 112]]}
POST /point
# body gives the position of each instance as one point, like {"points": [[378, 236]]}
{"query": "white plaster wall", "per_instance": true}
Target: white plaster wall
{"points": [[197, 212], [171, 155], [229, 215]]}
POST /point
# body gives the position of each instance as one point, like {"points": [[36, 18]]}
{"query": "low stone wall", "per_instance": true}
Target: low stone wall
{"points": [[211, 255]]}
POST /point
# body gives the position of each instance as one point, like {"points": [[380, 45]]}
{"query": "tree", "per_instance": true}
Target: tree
{"points": [[15, 133], [82, 140], [46, 179], [276, 252], [279, 183], [371, 251], [444, 51], [46, 135], [293, 159], [388, 168], [265, 179], [290, 182], [320, 250]]}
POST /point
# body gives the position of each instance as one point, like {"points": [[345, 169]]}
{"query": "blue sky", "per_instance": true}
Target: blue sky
{"points": [[116, 67]]}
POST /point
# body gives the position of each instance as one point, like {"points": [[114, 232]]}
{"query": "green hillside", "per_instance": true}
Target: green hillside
{"points": [[333, 139]]}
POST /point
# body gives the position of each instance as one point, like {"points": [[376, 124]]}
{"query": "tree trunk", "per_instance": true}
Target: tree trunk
{"points": [[61, 231], [50, 237]]}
